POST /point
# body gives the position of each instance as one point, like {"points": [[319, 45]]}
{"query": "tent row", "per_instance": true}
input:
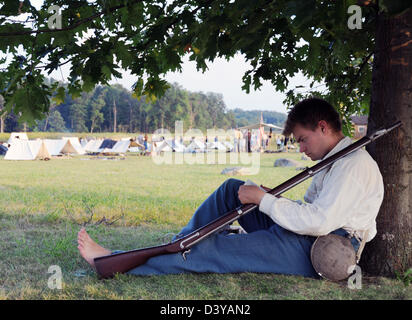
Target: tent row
{"points": [[194, 146], [111, 146], [27, 150], [24, 149], [20, 148]]}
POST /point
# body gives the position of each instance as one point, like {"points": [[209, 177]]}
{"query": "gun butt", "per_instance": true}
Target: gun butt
{"points": [[108, 266]]}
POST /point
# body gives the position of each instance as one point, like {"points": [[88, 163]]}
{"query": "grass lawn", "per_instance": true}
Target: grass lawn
{"points": [[43, 204]]}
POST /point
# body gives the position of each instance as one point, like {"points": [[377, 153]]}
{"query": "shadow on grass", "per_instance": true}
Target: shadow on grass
{"points": [[29, 249]]}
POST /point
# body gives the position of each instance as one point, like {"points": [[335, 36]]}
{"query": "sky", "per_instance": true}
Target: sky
{"points": [[225, 77]]}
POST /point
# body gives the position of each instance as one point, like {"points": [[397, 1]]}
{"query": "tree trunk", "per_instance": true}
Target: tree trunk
{"points": [[130, 118], [114, 117], [191, 115], [46, 123], [2, 123], [391, 100], [2, 116]]}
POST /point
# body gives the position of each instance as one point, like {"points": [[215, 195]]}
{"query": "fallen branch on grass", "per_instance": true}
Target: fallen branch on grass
{"points": [[89, 221]]}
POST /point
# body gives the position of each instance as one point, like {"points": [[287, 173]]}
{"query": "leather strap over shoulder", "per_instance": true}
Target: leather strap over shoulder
{"points": [[361, 246]]}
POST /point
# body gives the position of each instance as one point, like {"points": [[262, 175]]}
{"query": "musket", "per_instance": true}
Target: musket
{"points": [[107, 266]]}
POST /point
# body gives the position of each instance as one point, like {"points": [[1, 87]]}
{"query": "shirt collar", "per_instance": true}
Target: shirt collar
{"points": [[346, 141]]}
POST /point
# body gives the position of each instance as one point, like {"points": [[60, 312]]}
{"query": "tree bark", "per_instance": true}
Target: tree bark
{"points": [[391, 100], [114, 117], [191, 115], [46, 123], [130, 118], [2, 116], [2, 124]]}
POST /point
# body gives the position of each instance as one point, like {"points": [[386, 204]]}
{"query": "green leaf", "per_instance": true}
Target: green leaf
{"points": [[60, 95], [23, 99], [10, 8], [106, 72], [13, 41], [138, 88], [88, 83], [123, 55]]}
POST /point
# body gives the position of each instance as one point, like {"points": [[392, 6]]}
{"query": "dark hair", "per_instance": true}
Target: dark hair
{"points": [[309, 112]]}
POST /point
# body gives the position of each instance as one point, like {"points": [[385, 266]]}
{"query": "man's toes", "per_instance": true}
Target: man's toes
{"points": [[83, 235], [80, 241], [87, 237]]}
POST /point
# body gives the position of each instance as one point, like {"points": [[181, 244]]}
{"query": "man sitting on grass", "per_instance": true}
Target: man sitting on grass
{"points": [[343, 199]]}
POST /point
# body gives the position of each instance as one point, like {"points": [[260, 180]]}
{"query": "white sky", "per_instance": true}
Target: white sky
{"points": [[225, 77]]}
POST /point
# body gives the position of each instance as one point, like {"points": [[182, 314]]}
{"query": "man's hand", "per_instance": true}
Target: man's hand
{"points": [[250, 194]]}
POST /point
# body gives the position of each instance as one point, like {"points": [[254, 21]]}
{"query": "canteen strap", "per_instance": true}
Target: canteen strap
{"points": [[361, 245]]}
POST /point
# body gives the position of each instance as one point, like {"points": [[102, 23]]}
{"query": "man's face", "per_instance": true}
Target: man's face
{"points": [[312, 142]]}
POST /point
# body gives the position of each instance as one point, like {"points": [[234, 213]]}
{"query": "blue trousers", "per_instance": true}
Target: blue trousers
{"points": [[266, 248]]}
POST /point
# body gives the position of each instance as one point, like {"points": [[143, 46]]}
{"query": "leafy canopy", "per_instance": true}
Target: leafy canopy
{"points": [[149, 38]]}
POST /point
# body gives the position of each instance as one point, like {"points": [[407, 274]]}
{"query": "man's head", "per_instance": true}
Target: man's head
{"points": [[316, 126]]}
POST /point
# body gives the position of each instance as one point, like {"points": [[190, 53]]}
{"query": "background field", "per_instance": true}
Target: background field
{"points": [[127, 204]]}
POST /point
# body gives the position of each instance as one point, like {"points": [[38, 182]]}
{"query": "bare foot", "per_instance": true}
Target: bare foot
{"points": [[88, 248]]}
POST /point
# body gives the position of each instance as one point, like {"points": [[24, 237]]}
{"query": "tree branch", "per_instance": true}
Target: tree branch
{"points": [[362, 65], [59, 65], [73, 26], [364, 62]]}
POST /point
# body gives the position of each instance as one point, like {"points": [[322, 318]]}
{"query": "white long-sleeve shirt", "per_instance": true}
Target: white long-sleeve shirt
{"points": [[346, 195]]}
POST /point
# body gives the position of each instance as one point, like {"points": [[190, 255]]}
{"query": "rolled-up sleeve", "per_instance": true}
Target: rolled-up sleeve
{"points": [[331, 210]]}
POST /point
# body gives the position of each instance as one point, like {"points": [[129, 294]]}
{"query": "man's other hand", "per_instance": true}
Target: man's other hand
{"points": [[250, 194]]}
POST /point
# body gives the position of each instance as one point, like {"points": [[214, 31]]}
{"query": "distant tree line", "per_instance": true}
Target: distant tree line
{"points": [[114, 109], [244, 118]]}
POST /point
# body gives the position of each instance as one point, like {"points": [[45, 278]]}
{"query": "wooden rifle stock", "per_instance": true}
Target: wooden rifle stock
{"points": [[108, 266]]}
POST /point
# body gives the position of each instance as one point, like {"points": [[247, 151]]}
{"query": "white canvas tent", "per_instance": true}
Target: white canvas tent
{"points": [[27, 150], [164, 146], [217, 146], [122, 146], [83, 142], [178, 147], [93, 145], [54, 146], [17, 135], [196, 146], [61, 146], [75, 144], [170, 145]]}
